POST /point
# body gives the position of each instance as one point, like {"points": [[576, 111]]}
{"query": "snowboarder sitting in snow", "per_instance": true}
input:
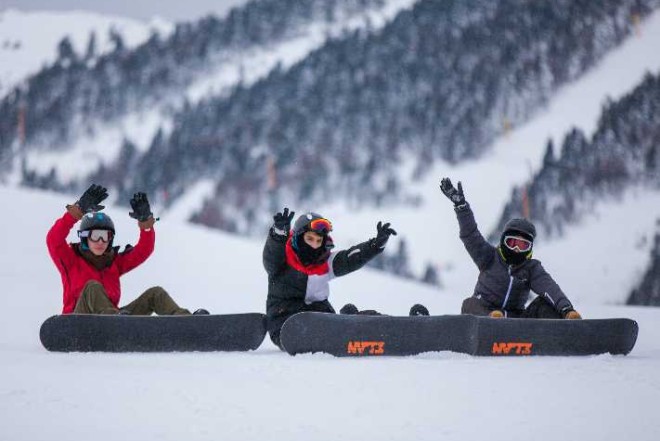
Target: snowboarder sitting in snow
{"points": [[300, 264], [91, 269], [507, 272]]}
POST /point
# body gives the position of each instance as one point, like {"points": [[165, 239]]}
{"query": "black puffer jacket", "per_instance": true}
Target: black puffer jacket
{"points": [[289, 290], [505, 286]]}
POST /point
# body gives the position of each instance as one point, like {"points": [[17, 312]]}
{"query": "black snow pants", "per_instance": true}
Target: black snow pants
{"points": [[275, 321], [539, 308]]}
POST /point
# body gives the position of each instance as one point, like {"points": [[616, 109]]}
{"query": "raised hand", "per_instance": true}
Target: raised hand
{"points": [[383, 235], [141, 208], [453, 194], [91, 198], [282, 221]]}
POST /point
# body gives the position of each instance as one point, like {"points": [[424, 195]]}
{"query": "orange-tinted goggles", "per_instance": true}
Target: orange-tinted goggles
{"points": [[320, 225]]}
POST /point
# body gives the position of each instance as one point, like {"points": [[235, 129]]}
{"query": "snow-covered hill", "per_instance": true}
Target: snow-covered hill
{"points": [[229, 67], [24, 51], [614, 242], [267, 394], [247, 67]]}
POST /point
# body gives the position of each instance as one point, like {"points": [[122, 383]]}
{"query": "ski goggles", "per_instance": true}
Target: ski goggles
{"points": [[96, 235], [516, 243], [320, 225]]}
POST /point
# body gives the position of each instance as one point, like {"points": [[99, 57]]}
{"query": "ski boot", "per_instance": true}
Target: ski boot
{"points": [[351, 309], [348, 309]]}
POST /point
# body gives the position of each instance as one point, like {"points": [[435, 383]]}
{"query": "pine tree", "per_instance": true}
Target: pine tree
{"points": [[90, 53], [66, 54], [431, 276], [117, 39]]}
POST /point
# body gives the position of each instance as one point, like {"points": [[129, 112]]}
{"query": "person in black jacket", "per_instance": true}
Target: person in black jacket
{"points": [[507, 272], [300, 264]]}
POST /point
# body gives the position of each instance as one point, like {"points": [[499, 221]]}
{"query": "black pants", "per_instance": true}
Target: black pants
{"points": [[539, 308], [275, 321]]}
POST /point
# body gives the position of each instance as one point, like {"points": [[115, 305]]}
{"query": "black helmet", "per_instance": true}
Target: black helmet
{"points": [[318, 224], [96, 221], [522, 226], [312, 222]]}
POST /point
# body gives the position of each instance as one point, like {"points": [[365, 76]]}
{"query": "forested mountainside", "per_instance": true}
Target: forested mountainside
{"points": [[648, 291], [82, 89], [355, 120], [442, 80], [623, 152]]}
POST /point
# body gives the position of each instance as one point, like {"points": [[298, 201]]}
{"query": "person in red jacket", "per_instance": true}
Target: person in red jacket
{"points": [[91, 268]]}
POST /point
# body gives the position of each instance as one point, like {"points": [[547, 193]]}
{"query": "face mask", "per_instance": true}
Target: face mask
{"points": [[307, 254], [512, 257]]}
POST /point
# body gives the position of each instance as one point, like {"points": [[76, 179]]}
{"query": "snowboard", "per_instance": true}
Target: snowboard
{"points": [[359, 335], [125, 333]]}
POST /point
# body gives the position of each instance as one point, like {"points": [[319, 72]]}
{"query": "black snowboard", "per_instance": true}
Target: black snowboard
{"points": [[356, 335], [125, 333]]}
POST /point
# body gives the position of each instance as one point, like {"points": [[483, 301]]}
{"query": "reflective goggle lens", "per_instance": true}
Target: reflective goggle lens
{"points": [[516, 243], [321, 225], [100, 235]]}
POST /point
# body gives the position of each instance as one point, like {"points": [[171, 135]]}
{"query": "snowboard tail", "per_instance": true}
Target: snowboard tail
{"points": [[350, 335], [615, 336], [124, 333]]}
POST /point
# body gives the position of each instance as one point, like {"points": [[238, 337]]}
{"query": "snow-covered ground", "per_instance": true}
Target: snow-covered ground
{"points": [[267, 394], [28, 40]]}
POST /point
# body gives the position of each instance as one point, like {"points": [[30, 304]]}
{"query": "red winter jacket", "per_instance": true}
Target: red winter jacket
{"points": [[76, 271]]}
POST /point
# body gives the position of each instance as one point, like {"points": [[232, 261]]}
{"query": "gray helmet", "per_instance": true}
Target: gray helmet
{"points": [[520, 225], [96, 221], [304, 224]]}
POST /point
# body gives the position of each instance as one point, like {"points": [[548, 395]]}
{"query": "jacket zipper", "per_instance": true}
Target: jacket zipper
{"points": [[508, 291]]}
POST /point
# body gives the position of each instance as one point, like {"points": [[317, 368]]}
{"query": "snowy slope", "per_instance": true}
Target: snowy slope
{"points": [[269, 395], [616, 254], [249, 66], [246, 66], [23, 51]]}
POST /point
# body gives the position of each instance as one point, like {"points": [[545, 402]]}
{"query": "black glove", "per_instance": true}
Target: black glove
{"points": [[141, 209], [384, 233], [283, 221], [91, 199], [418, 310], [454, 195]]}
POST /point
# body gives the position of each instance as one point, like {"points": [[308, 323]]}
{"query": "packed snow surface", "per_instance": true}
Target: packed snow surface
{"points": [[267, 394]]}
